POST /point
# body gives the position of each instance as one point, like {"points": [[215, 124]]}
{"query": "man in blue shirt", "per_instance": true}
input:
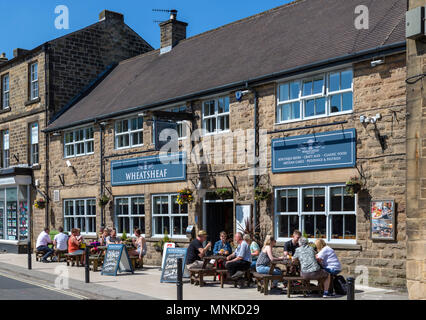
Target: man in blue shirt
{"points": [[239, 262]]}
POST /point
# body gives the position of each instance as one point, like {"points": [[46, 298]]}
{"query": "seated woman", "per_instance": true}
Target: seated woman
{"points": [[74, 243], [140, 244], [222, 247], [328, 259], [255, 251], [265, 258], [103, 236], [112, 238], [309, 267]]}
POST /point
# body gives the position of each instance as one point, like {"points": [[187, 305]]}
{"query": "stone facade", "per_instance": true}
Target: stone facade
{"points": [[376, 90], [416, 174], [65, 67]]}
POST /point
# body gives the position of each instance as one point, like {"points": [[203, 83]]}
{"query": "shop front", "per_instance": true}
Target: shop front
{"points": [[14, 209]]}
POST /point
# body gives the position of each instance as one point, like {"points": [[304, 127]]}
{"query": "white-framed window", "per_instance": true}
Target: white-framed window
{"points": [[34, 154], [81, 214], [130, 214], [216, 115], [78, 142], [5, 91], [168, 215], [181, 126], [5, 149], [34, 81], [129, 133], [326, 212], [322, 95]]}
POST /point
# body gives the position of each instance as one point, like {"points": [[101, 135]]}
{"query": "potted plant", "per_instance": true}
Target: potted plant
{"points": [[185, 196], [40, 203], [262, 194], [125, 239], [159, 245], [353, 186], [103, 201], [223, 193]]}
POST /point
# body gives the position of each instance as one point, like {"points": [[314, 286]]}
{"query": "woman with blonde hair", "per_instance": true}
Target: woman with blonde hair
{"points": [[327, 258], [263, 264]]}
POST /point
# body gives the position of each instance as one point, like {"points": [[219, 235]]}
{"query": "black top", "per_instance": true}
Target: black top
{"points": [[193, 252], [290, 247]]}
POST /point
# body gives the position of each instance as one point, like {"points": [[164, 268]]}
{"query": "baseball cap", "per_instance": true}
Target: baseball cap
{"points": [[202, 233]]}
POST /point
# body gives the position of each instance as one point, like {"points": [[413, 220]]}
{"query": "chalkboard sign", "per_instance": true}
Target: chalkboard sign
{"points": [[115, 260], [169, 273]]}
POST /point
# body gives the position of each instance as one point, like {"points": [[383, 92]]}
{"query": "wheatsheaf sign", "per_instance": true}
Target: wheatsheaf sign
{"points": [[151, 169], [326, 150]]}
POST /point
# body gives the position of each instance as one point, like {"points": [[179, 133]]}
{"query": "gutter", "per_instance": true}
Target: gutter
{"points": [[359, 56]]}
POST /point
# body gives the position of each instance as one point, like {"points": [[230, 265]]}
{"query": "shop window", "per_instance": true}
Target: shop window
{"points": [[81, 214], [14, 213], [5, 92], [129, 133], [319, 96], [216, 115], [327, 212], [79, 142], [130, 214], [169, 216]]}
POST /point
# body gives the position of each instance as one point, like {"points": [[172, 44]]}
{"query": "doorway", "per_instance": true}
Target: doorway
{"points": [[218, 216]]}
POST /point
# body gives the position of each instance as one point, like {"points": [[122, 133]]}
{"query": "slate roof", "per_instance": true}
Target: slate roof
{"points": [[298, 34]]}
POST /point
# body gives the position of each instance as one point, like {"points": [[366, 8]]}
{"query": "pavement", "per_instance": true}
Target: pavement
{"points": [[145, 284]]}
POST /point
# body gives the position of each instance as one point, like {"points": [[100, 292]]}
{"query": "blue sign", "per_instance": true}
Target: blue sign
{"points": [[169, 267], [326, 150], [115, 260], [151, 169]]}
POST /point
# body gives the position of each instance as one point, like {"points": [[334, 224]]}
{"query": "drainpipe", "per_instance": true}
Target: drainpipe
{"points": [[101, 127], [255, 153], [47, 81]]}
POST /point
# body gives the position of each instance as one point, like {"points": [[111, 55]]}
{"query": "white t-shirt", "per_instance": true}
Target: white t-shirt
{"points": [[43, 239], [61, 241], [329, 258]]}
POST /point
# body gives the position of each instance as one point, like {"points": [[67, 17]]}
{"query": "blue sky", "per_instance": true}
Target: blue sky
{"points": [[29, 23]]}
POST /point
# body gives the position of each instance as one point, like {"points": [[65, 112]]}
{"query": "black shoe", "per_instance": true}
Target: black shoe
{"points": [[45, 261], [238, 274]]}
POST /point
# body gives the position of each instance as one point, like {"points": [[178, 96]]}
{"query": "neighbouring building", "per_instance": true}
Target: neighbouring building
{"points": [[318, 102], [35, 85], [416, 173]]}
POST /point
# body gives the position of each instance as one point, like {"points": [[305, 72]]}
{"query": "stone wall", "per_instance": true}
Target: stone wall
{"points": [[416, 169]]}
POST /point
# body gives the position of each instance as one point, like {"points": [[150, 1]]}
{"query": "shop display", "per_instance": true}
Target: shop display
{"points": [[383, 220]]}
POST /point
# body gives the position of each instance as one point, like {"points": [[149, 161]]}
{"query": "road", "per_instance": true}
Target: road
{"points": [[14, 289]]}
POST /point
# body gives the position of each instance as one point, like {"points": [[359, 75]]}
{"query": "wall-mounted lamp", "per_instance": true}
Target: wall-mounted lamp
{"points": [[103, 123], [37, 182], [142, 114], [376, 63], [364, 119], [55, 134], [69, 165]]}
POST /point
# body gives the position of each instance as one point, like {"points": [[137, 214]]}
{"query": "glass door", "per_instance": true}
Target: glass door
{"points": [[11, 213]]}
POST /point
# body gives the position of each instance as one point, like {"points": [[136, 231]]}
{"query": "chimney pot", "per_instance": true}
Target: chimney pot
{"points": [[19, 52], [3, 58], [110, 15]]}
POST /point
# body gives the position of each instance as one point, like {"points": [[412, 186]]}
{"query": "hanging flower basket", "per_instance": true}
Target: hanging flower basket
{"points": [[40, 203], [262, 194], [185, 196], [353, 186], [224, 193], [103, 201]]}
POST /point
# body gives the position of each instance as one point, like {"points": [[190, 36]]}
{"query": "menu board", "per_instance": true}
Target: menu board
{"points": [[169, 268], [116, 259], [383, 220]]}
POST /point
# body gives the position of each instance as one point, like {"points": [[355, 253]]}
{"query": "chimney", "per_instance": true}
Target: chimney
{"points": [[19, 52], [3, 58], [172, 31], [110, 15]]}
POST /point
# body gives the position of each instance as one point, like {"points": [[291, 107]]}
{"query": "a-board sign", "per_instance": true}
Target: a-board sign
{"points": [[116, 259], [166, 245], [169, 268]]}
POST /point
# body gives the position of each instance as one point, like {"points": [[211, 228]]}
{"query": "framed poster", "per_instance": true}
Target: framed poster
{"points": [[382, 219], [242, 214]]}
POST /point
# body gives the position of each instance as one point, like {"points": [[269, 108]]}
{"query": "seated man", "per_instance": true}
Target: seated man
{"points": [[239, 262], [60, 242], [291, 245], [309, 267], [113, 238], [42, 241], [196, 252]]}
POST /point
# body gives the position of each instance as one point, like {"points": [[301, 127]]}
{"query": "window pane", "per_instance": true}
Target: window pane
{"points": [[334, 84], [347, 101], [347, 79], [350, 226], [138, 205], [137, 138], [336, 199], [310, 108], [89, 147], [292, 200], [294, 90], [309, 225], [175, 205], [209, 108], [282, 201], [283, 231], [284, 92], [123, 225], [307, 88], [321, 226], [336, 103], [320, 106], [157, 206], [318, 86], [348, 202], [319, 199], [89, 133], [220, 105], [308, 202], [337, 227], [139, 223], [179, 225]]}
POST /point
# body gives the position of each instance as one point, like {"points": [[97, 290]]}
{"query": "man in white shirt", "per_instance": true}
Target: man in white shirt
{"points": [[42, 241], [61, 240]]}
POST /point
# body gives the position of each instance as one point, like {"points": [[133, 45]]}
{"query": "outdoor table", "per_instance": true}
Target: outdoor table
{"points": [[217, 258]]}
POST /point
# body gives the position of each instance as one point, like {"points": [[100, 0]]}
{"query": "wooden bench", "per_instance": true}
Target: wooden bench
{"points": [[96, 260], [225, 278], [263, 280], [61, 255], [305, 288], [39, 255], [197, 275], [136, 261], [73, 258]]}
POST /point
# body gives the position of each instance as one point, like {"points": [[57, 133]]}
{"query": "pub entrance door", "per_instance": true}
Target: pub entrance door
{"points": [[218, 216]]}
